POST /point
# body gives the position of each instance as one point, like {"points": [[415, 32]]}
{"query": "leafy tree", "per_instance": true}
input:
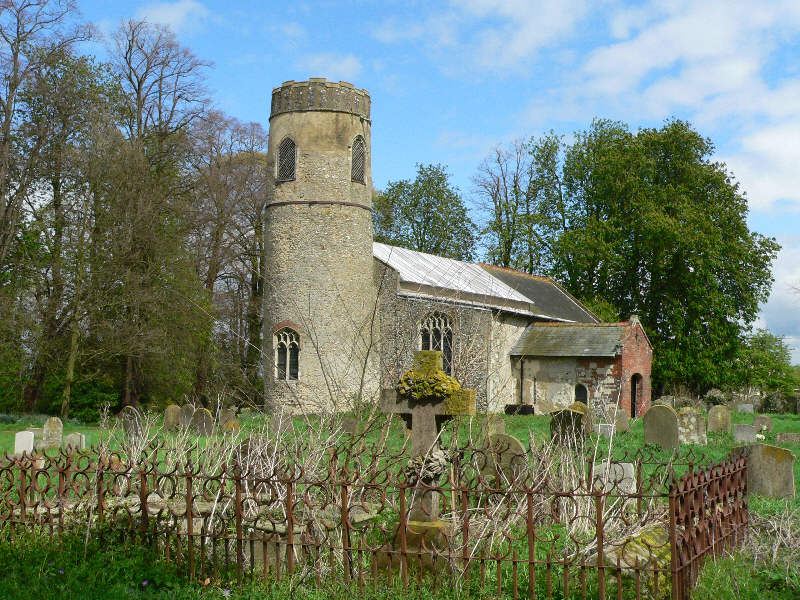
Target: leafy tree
{"points": [[764, 363], [427, 215]]}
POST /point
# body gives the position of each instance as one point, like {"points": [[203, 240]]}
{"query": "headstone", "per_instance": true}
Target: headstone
{"points": [[203, 422], [131, 418], [279, 424], [187, 414], [493, 425], [770, 471], [615, 477], [605, 430], [569, 426], [788, 438], [745, 408], [661, 426], [763, 423], [225, 415], [350, 425], [744, 434], [23, 442], [622, 422], [75, 441], [52, 432], [232, 426], [719, 418], [666, 400], [691, 426], [172, 417], [506, 459]]}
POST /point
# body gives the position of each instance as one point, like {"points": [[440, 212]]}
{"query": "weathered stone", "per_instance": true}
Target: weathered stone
{"points": [[666, 400], [745, 408], [75, 441], [232, 426], [203, 422], [132, 420], [763, 423], [52, 432], [646, 551], [691, 426], [744, 434], [569, 426], [719, 418], [661, 426], [187, 413], [279, 424], [226, 415], [507, 458], [770, 471], [23, 442], [172, 417], [520, 409], [615, 477], [788, 438], [605, 430], [351, 425], [622, 422], [493, 425]]}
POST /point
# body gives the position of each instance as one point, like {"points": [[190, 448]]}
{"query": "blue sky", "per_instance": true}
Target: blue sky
{"points": [[450, 80]]}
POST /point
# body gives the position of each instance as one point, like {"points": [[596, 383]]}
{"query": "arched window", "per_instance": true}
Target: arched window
{"points": [[581, 393], [359, 163], [636, 392], [287, 160], [287, 355], [436, 333]]}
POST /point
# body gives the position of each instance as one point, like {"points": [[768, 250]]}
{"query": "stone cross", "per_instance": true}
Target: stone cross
{"points": [[427, 415]]}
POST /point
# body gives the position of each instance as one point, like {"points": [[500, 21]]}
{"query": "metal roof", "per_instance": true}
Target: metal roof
{"points": [[557, 339]]}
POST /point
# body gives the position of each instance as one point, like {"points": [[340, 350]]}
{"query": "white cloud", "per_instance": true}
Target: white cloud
{"points": [[181, 15], [333, 66]]}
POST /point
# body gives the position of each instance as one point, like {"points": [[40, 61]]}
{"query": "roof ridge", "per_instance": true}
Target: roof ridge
{"points": [[518, 272]]}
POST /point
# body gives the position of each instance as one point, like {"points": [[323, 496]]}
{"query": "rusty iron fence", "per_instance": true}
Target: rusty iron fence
{"points": [[508, 525]]}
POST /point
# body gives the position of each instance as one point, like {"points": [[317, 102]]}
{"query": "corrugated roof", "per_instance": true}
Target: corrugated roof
{"points": [[545, 294], [556, 339], [437, 271]]}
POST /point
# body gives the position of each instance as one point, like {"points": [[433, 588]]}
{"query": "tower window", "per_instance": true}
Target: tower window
{"points": [[287, 355], [287, 160], [359, 162], [436, 333]]}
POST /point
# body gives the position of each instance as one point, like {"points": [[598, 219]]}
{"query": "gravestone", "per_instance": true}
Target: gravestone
{"points": [[770, 471], [131, 418], [744, 434], [666, 400], [350, 425], [75, 441], [506, 459], [569, 426], [23, 442], [203, 422], [187, 413], [788, 438], [719, 418], [745, 408], [172, 417], [605, 430], [615, 477], [232, 426], [428, 462], [52, 433], [493, 425], [661, 426], [226, 415], [691, 426], [280, 424], [763, 423], [622, 422]]}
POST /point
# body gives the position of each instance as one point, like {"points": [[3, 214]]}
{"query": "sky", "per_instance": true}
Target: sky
{"points": [[449, 81]]}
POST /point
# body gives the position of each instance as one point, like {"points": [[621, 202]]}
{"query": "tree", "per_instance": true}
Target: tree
{"points": [[427, 215], [648, 223], [764, 364]]}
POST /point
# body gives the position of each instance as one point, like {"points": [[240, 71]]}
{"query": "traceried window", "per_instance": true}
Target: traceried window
{"points": [[287, 355], [287, 160], [436, 333], [359, 162]]}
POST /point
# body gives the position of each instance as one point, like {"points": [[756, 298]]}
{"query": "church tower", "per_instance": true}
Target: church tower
{"points": [[320, 317]]}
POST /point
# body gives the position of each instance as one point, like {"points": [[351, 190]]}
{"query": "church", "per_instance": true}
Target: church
{"points": [[344, 314]]}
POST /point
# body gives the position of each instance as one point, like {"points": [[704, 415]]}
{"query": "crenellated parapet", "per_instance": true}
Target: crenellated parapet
{"points": [[320, 94]]}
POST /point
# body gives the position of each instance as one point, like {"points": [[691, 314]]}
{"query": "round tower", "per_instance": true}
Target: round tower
{"points": [[319, 290]]}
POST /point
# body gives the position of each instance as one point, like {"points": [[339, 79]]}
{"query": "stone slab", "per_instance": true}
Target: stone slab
{"points": [[744, 434], [763, 423], [745, 408], [788, 438], [75, 441], [52, 432], [203, 422], [605, 430], [661, 426], [23, 442], [770, 471], [172, 417], [719, 418], [615, 477], [691, 426], [187, 413]]}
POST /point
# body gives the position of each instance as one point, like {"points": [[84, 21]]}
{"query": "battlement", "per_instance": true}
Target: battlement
{"points": [[320, 94]]}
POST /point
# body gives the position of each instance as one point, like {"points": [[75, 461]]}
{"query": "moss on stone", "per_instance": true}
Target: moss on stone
{"points": [[420, 384]]}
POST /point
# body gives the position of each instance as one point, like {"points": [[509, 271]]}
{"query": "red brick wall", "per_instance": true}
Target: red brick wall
{"points": [[600, 375], [637, 356]]}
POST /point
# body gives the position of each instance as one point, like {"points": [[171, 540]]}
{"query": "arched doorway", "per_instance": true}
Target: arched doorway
{"points": [[636, 390], [581, 393]]}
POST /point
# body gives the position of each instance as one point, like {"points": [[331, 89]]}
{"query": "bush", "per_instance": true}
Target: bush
{"points": [[86, 399]]}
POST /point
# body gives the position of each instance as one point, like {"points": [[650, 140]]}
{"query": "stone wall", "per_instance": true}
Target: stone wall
{"points": [[502, 387], [637, 357]]}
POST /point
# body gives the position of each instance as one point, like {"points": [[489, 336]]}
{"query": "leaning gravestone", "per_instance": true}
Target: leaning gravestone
{"points": [[618, 477], [187, 414], [788, 438], [506, 458], [203, 422], [569, 426], [131, 418], [75, 441], [661, 426], [172, 417], [226, 415], [23, 442], [493, 425], [52, 432], [744, 434], [691, 426], [763, 423], [770, 471], [719, 418]]}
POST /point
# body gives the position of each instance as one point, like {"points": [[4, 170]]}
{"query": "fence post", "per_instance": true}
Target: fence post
{"points": [[290, 525], [23, 490], [677, 589], [531, 547], [143, 499], [189, 513], [63, 475], [345, 532], [401, 533], [601, 574], [237, 509], [100, 490]]}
